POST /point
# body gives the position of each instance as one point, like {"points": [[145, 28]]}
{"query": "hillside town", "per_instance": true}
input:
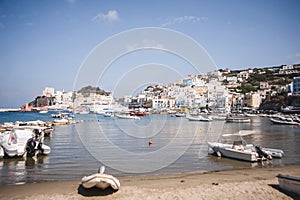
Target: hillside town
{"points": [[222, 91]]}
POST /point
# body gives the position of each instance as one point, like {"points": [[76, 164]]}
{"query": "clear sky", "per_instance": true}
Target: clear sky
{"points": [[43, 43]]}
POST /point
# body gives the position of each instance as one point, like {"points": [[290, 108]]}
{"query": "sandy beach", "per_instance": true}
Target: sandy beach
{"points": [[257, 183]]}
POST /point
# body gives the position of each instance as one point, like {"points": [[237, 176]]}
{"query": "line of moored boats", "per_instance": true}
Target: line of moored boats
{"points": [[19, 139]]}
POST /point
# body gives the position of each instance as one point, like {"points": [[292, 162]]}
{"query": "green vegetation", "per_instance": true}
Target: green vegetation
{"points": [[89, 89]]}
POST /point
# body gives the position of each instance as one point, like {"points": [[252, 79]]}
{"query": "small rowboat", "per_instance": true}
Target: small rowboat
{"points": [[101, 180]]}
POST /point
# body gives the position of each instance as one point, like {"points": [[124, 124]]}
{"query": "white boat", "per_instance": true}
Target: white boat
{"points": [[22, 141], [126, 116], [218, 117], [43, 112], [198, 118], [250, 115], [283, 121], [100, 180], [62, 115], [236, 151], [180, 114], [289, 183], [238, 119], [239, 149]]}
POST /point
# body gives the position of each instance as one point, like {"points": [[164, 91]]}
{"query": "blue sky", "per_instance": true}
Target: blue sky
{"points": [[44, 43]]}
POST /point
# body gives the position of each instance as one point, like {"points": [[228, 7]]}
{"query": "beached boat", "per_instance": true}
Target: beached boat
{"points": [[22, 141], [101, 180], [289, 183], [198, 118], [238, 119]]}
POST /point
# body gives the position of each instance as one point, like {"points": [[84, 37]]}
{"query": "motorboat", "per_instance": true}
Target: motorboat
{"points": [[238, 119], [22, 140], [198, 118], [101, 180], [289, 183], [236, 151], [239, 149]]}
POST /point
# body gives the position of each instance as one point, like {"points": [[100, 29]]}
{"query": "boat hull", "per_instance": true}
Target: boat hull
{"points": [[101, 181], [238, 120], [289, 183], [238, 155], [226, 150]]}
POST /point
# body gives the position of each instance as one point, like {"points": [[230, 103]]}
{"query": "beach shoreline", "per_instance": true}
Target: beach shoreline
{"points": [[258, 183]]}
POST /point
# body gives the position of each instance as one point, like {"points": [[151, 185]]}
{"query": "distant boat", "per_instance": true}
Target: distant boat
{"points": [[62, 115], [126, 116], [101, 180], [289, 183], [180, 114], [198, 118], [238, 119], [139, 114], [43, 111], [283, 121], [250, 115]]}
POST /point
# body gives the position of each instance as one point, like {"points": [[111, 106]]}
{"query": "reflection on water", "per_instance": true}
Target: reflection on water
{"points": [[21, 170], [70, 159]]}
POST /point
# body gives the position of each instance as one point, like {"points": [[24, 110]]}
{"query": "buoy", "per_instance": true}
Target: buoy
{"points": [[200, 129]]}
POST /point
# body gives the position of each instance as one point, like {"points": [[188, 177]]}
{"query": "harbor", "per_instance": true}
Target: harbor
{"points": [[70, 158]]}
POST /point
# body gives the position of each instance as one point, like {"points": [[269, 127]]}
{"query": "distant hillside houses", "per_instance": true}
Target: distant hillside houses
{"points": [[221, 90]]}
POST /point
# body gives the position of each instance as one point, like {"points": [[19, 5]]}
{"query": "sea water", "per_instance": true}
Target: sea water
{"points": [[123, 146]]}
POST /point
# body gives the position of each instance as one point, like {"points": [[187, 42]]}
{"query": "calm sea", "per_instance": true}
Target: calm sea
{"points": [[178, 146]]}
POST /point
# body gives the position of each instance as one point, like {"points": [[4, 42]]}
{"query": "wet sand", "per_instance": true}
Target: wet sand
{"points": [[256, 183]]}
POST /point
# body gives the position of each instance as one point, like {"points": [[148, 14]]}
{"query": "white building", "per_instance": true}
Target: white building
{"points": [[48, 92]]}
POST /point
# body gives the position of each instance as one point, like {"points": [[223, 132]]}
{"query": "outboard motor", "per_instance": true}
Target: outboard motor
{"points": [[30, 147], [261, 153], [39, 147]]}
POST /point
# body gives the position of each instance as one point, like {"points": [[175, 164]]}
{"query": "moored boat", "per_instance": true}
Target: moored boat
{"points": [[198, 118], [238, 119], [283, 121], [236, 151], [180, 114], [289, 183], [240, 150], [21, 141], [126, 116]]}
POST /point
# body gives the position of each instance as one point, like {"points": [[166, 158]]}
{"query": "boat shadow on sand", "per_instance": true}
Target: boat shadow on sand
{"points": [[95, 191], [288, 193]]}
